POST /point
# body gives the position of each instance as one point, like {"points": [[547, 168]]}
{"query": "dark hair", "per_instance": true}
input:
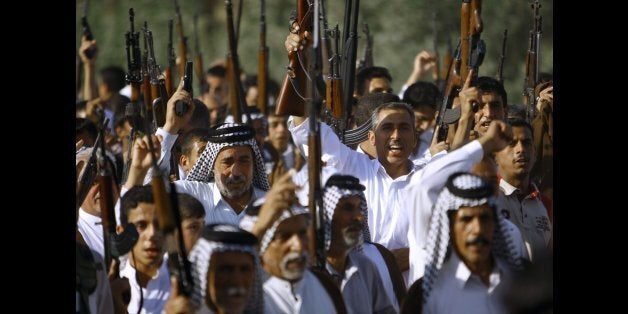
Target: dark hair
{"points": [[190, 207], [114, 77], [391, 105], [218, 70], [521, 123], [422, 94], [249, 81], [370, 73], [132, 198], [488, 84], [369, 102], [85, 125], [194, 135], [200, 115]]}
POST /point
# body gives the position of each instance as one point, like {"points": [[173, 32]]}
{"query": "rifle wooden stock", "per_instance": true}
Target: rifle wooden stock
{"points": [[198, 58], [289, 101], [262, 80], [465, 23], [181, 44], [168, 81], [237, 103], [262, 64], [499, 76], [447, 60], [333, 97]]}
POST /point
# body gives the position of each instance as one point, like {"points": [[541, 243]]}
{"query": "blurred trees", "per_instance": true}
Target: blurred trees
{"points": [[401, 29]]}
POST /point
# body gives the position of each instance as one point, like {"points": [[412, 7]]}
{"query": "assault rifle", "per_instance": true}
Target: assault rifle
{"points": [[532, 63]]}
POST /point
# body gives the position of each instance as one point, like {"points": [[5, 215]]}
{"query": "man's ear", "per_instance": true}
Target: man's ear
{"points": [[183, 161], [372, 137]]}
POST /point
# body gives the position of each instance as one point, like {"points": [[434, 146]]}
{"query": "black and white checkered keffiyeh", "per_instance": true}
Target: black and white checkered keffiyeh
{"points": [[249, 220], [463, 189], [337, 187], [200, 258], [227, 135]]}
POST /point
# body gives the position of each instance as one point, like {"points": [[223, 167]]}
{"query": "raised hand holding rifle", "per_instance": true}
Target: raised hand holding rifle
{"points": [[291, 99], [146, 153]]}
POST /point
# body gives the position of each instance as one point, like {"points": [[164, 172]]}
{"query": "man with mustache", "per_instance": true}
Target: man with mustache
{"points": [[345, 222], [228, 175], [472, 277], [519, 198], [289, 287], [226, 272], [390, 178]]}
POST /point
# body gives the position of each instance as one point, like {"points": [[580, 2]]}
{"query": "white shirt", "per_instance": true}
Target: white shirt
{"points": [[216, 209], [387, 214], [156, 292], [90, 227], [457, 290], [530, 215], [304, 297], [422, 197], [422, 156], [361, 286]]}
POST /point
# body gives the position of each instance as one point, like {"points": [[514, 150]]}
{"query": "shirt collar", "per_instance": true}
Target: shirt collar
{"points": [[464, 275], [509, 189], [257, 193]]}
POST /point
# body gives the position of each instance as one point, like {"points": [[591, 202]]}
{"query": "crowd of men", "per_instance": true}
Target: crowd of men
{"points": [[410, 223]]}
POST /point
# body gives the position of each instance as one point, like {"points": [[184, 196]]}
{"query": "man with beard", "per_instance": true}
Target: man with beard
{"points": [[228, 175], [519, 199], [471, 255], [345, 221], [283, 233], [390, 178]]}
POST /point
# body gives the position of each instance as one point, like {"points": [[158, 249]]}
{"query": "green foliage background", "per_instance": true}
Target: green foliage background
{"points": [[401, 29]]}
